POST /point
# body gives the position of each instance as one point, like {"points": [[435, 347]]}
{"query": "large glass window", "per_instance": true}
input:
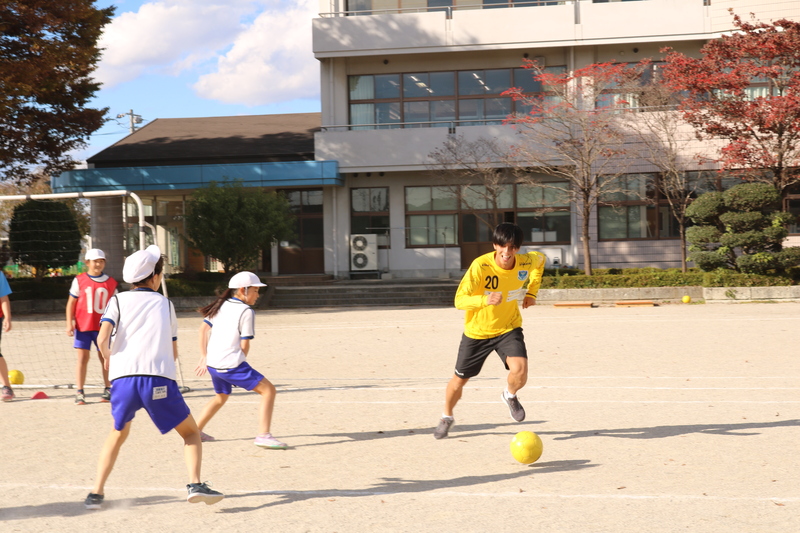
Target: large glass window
{"points": [[543, 211], [634, 208], [369, 212], [431, 218], [433, 214], [437, 99]]}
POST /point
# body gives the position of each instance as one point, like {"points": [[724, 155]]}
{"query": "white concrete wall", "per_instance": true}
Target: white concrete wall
{"points": [[490, 29], [765, 11]]}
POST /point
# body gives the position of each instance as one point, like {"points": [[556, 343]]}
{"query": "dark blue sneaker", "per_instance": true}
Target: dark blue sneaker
{"points": [[93, 501], [201, 492]]}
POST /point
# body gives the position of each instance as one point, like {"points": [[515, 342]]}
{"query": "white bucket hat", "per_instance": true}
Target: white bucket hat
{"points": [[245, 279], [141, 264]]}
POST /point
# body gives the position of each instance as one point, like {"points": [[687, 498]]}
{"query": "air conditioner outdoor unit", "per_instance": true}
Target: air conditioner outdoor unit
{"points": [[555, 257], [363, 252]]}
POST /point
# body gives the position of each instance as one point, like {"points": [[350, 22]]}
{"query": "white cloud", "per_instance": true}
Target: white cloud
{"points": [[239, 51], [271, 61]]}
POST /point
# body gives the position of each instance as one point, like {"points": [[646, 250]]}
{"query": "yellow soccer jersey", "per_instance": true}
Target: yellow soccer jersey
{"points": [[484, 276]]}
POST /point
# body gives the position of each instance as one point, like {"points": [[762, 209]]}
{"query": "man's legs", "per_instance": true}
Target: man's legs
{"points": [[517, 373], [517, 378], [453, 393]]}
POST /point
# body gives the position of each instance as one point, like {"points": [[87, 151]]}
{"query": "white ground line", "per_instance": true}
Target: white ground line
{"points": [[434, 493]]}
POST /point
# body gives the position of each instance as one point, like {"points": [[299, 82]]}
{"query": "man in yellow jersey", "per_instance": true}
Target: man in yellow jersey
{"points": [[490, 293]]}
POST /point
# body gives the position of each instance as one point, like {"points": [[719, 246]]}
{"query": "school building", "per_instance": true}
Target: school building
{"points": [[398, 78]]}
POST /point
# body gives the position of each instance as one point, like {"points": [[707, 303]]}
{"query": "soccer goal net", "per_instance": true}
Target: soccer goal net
{"points": [[44, 240]]}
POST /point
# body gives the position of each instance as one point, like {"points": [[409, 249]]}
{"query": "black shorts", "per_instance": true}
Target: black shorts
{"points": [[473, 352]]}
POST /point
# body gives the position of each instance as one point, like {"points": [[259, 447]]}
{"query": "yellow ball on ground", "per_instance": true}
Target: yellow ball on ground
{"points": [[16, 377], [686, 299], [526, 447]]}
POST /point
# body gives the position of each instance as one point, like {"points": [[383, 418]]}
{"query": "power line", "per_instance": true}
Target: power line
{"points": [[135, 119]]}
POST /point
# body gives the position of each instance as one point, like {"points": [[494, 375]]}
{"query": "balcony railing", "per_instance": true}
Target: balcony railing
{"points": [[446, 9]]}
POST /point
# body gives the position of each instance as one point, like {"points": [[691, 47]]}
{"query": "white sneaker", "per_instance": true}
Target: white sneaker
{"points": [[268, 441]]}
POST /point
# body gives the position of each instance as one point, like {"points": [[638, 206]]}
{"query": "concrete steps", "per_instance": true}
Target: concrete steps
{"points": [[363, 293]]}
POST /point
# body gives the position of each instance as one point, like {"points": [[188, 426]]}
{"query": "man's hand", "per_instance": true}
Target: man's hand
{"points": [[494, 298], [528, 301]]}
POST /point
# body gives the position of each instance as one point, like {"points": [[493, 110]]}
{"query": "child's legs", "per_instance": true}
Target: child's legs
{"points": [[106, 382], [210, 409], [267, 392], [108, 456], [192, 447], [80, 368], [4, 371]]}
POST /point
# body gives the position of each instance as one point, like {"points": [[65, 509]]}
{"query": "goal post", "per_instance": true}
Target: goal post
{"points": [[38, 345]]}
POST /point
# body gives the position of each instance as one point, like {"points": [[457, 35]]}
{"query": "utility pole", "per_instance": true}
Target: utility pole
{"points": [[135, 119]]}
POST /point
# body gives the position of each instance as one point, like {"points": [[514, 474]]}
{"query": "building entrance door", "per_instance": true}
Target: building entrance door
{"points": [[306, 253], [476, 233]]}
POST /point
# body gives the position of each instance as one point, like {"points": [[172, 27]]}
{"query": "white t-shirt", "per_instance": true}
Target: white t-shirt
{"points": [[145, 326], [234, 321]]}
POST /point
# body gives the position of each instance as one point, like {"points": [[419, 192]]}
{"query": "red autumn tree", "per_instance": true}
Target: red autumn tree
{"points": [[574, 132], [745, 89]]}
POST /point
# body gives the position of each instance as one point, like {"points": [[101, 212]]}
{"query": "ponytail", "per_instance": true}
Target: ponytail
{"points": [[210, 310]]}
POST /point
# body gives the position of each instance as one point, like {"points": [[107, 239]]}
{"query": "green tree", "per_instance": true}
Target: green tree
{"points": [[44, 234], [233, 224], [48, 51], [742, 229]]}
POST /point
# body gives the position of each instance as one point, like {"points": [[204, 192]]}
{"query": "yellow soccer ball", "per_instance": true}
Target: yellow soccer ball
{"points": [[526, 447], [16, 377], [686, 299]]}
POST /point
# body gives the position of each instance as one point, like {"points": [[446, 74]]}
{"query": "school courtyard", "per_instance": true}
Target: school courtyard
{"points": [[659, 419]]}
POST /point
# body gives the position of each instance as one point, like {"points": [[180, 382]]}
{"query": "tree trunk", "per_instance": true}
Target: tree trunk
{"points": [[682, 233], [587, 254]]}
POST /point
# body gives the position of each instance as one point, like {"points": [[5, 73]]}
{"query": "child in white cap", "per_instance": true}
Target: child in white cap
{"points": [[86, 302], [138, 342], [228, 326]]}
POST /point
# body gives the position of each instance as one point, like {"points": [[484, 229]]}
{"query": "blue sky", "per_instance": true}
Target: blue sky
{"points": [[198, 58]]}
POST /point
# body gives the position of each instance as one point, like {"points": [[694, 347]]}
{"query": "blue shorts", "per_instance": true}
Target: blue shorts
{"points": [[85, 339], [243, 376], [157, 395]]}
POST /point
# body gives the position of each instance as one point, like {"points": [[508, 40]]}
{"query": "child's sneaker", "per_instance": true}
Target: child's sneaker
{"points": [[7, 394], [80, 398], [93, 501], [106, 396], [205, 437], [268, 441], [201, 492]]}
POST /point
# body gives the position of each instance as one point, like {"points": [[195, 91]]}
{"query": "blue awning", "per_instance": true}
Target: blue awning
{"points": [[181, 177]]}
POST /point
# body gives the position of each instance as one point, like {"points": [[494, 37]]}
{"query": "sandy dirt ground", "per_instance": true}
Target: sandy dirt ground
{"points": [[660, 419]]}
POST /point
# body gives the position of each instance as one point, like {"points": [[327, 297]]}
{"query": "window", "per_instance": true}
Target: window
{"points": [[433, 213], [306, 204], [439, 5], [369, 212], [544, 212], [431, 216], [358, 7], [438, 99], [630, 97], [634, 208]]}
